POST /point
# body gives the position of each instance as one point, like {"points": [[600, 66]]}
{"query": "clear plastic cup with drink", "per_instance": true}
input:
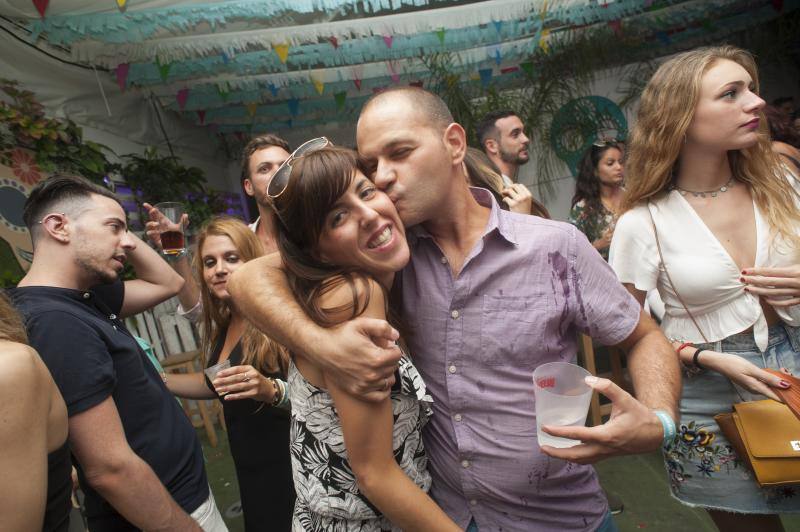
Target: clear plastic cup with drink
{"points": [[171, 227], [211, 371], [562, 399]]}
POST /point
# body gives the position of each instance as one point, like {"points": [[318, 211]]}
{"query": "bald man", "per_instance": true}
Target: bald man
{"points": [[489, 295]]}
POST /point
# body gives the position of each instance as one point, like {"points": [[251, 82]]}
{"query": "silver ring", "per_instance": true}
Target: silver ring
{"points": [[246, 378]]}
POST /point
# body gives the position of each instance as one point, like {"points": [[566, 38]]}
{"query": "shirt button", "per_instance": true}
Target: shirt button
{"points": [[457, 417], [473, 502], [86, 295], [465, 463], [454, 314], [112, 317], [451, 369], [444, 260]]}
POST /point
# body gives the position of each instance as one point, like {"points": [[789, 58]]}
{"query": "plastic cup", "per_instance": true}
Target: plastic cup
{"points": [[171, 228], [562, 399], [211, 371]]}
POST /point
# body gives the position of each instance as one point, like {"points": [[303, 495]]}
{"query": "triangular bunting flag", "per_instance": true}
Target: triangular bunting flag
{"points": [[527, 67], [440, 34], [388, 40], [509, 70], [283, 52], [41, 6], [319, 85], [543, 41], [616, 25], [224, 92], [392, 71], [358, 83], [340, 99], [225, 58], [334, 41], [498, 25], [294, 106], [122, 75], [273, 89], [486, 76], [121, 4], [181, 98], [252, 107], [201, 115], [163, 70]]}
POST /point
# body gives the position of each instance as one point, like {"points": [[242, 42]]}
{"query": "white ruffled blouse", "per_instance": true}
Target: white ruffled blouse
{"points": [[705, 274]]}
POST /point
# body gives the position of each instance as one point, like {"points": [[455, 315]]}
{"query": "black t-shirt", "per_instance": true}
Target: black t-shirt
{"points": [[91, 356]]}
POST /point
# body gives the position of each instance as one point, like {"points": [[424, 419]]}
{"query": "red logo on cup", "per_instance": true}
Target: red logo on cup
{"points": [[546, 382]]}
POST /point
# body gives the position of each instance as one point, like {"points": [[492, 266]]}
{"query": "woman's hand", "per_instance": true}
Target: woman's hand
{"points": [[518, 198], [159, 223], [744, 373], [780, 287], [243, 382]]}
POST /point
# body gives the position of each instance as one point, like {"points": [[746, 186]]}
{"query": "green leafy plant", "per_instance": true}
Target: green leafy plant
{"points": [[154, 179], [57, 144]]}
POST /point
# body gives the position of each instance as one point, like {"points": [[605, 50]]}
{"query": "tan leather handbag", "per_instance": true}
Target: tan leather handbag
{"points": [[765, 434]]}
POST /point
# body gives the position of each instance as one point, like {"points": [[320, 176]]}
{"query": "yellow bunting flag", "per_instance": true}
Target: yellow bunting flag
{"points": [[543, 41], [283, 52], [319, 85], [121, 4], [251, 109]]}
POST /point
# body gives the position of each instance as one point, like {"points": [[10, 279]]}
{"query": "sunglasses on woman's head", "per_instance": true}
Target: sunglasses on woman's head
{"points": [[602, 143], [280, 180]]}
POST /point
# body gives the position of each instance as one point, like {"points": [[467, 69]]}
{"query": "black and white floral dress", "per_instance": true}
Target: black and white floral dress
{"points": [[328, 498]]}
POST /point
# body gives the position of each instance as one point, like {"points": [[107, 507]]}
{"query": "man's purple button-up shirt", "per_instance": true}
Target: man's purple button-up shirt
{"points": [[525, 291]]}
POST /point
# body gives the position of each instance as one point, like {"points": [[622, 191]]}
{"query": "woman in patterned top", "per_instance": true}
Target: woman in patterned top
{"points": [[598, 193], [357, 465]]}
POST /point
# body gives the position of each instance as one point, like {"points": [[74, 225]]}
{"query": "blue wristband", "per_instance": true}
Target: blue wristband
{"points": [[668, 424]]}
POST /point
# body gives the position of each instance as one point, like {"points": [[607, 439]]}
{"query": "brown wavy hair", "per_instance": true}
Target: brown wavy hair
{"points": [[667, 108], [317, 181], [258, 350], [12, 327]]}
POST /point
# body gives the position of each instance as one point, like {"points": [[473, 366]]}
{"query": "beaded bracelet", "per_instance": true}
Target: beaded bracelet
{"points": [[284, 401]]}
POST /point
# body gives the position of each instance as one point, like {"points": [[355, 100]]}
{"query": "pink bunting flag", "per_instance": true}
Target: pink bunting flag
{"points": [[122, 75], [334, 41], [616, 25], [181, 98], [41, 6], [388, 40], [358, 83], [201, 115], [392, 71]]}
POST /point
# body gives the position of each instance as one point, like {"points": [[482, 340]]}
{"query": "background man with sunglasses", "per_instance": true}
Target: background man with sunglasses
{"points": [[489, 296]]}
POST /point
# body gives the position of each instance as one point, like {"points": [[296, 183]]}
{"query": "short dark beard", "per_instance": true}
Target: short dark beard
{"points": [[513, 158], [97, 277]]}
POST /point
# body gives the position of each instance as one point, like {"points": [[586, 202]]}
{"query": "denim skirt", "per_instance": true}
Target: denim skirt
{"points": [[703, 469]]}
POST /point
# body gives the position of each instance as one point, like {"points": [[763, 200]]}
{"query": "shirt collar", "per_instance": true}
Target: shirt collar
{"points": [[498, 220]]}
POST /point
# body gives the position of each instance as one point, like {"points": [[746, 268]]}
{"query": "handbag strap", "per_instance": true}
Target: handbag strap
{"points": [[669, 278]]}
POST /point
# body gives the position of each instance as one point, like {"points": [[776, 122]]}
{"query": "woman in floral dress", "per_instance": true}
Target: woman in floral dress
{"points": [[357, 465], [598, 193]]}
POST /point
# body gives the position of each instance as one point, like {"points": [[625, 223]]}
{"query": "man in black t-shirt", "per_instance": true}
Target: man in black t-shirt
{"points": [[138, 457]]}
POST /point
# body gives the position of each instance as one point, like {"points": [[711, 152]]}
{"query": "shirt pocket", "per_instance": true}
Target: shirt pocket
{"points": [[513, 330]]}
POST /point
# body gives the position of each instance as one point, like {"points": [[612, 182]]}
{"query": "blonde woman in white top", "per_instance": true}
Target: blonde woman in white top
{"points": [[726, 217]]}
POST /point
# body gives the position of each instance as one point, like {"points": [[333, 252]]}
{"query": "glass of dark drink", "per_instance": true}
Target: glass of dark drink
{"points": [[170, 225]]}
